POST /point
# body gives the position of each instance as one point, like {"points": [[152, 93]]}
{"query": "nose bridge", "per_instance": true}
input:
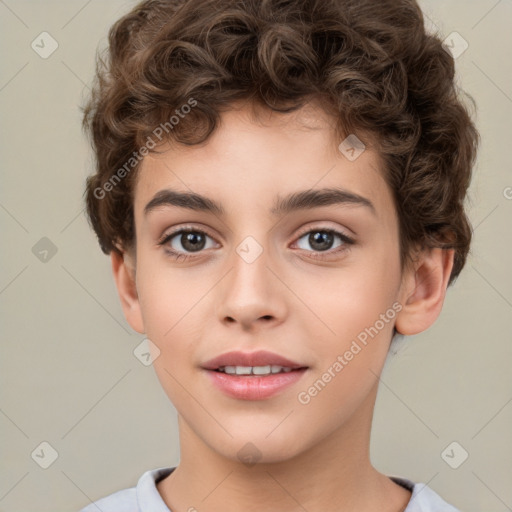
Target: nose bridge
{"points": [[250, 292]]}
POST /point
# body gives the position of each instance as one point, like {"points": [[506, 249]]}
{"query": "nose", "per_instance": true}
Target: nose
{"points": [[251, 295]]}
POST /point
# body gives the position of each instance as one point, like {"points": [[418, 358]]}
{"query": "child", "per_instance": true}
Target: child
{"points": [[280, 186]]}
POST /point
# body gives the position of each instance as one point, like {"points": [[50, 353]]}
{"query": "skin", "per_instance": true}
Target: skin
{"points": [[314, 456]]}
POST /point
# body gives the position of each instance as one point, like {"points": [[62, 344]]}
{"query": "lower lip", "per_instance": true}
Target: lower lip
{"points": [[252, 387]]}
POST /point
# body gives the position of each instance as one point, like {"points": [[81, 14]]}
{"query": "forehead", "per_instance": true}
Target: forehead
{"points": [[255, 155]]}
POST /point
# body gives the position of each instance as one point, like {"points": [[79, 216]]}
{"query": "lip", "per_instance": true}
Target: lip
{"points": [[260, 358], [253, 387]]}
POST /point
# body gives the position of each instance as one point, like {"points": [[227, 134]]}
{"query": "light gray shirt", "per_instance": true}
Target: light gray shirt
{"points": [[144, 497]]}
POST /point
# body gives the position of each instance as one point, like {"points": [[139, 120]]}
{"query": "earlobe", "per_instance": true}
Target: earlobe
{"points": [[423, 290], [123, 270]]}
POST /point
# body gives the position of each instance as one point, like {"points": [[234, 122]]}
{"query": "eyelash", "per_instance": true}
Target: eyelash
{"points": [[179, 256]]}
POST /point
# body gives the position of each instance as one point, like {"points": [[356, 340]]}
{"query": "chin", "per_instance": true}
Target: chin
{"points": [[255, 448]]}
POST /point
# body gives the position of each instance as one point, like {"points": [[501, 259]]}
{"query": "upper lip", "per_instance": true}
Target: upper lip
{"points": [[260, 358]]}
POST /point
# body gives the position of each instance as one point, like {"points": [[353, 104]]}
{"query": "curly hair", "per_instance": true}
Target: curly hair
{"points": [[370, 63]]}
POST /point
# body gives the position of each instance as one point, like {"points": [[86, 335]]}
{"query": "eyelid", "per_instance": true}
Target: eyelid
{"points": [[347, 241], [324, 227], [302, 231], [184, 227]]}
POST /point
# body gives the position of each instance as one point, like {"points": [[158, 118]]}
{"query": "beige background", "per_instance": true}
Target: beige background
{"points": [[69, 375]]}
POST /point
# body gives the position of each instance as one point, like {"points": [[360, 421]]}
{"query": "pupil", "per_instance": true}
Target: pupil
{"points": [[321, 240], [193, 241]]}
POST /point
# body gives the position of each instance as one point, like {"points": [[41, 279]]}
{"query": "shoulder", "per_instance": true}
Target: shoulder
{"points": [[144, 496], [423, 498]]}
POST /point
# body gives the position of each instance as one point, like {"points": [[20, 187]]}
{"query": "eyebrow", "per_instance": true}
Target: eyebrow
{"points": [[306, 199]]}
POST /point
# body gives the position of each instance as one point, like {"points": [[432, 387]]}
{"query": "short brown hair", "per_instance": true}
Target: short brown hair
{"points": [[370, 62]]}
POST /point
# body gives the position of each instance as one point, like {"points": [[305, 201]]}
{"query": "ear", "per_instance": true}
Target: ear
{"points": [[423, 290], [123, 268]]}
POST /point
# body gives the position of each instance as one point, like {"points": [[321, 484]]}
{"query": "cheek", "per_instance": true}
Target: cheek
{"points": [[174, 307], [166, 307], [354, 299], [356, 307], [165, 296], [362, 318], [170, 312]]}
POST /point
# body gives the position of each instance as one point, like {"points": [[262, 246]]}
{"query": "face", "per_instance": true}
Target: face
{"points": [[315, 282]]}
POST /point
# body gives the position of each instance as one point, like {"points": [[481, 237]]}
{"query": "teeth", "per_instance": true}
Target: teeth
{"points": [[254, 370]]}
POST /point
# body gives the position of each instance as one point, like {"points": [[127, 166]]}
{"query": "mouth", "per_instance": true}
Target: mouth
{"points": [[253, 376], [260, 371], [251, 363], [253, 386]]}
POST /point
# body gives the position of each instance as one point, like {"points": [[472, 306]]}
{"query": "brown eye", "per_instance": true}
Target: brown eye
{"points": [[321, 240], [183, 243], [318, 241], [192, 241]]}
